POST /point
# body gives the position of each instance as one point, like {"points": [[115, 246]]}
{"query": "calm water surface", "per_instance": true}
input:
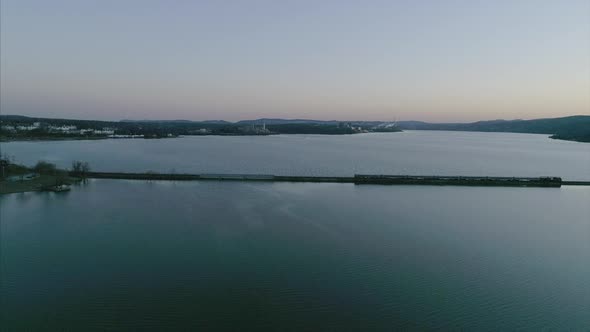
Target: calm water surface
{"points": [[411, 152], [136, 255]]}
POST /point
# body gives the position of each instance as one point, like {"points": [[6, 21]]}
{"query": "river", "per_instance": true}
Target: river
{"points": [[139, 255]]}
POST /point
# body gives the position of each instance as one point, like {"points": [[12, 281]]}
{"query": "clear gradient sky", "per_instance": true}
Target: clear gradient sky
{"points": [[348, 60]]}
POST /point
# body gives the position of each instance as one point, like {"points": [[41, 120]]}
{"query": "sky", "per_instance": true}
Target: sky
{"points": [[439, 61]]}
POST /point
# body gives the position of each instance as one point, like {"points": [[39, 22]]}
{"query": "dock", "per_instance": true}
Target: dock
{"points": [[359, 179]]}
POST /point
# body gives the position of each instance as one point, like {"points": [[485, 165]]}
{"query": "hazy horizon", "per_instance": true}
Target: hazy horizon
{"points": [[454, 61], [277, 118]]}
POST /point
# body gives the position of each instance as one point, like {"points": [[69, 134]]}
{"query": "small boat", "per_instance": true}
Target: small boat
{"points": [[61, 187], [57, 188]]}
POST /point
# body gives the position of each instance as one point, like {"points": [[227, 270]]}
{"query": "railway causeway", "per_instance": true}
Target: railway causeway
{"points": [[359, 179]]}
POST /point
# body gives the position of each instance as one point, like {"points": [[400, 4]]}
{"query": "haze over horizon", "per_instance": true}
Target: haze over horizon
{"points": [[452, 61]]}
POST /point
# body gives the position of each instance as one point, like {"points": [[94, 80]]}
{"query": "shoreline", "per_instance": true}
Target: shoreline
{"points": [[51, 139], [40, 183], [568, 139], [43, 182]]}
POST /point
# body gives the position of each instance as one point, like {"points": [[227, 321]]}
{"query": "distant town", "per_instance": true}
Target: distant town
{"points": [[25, 128], [16, 127], [63, 129], [42, 129]]}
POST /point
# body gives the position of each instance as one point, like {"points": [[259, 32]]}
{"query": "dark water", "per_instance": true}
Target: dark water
{"points": [[125, 255], [412, 152]]}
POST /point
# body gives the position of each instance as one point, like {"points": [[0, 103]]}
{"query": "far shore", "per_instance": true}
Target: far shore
{"points": [[45, 139]]}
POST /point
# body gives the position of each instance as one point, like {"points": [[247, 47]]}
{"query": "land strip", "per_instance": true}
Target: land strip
{"points": [[356, 179]]}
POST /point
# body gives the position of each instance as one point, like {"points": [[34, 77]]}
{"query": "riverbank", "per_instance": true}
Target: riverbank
{"points": [[5, 139], [579, 139], [39, 183], [45, 139], [44, 176], [93, 138]]}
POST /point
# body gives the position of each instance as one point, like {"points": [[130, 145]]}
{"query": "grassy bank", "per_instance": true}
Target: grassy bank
{"points": [[16, 178], [36, 184]]}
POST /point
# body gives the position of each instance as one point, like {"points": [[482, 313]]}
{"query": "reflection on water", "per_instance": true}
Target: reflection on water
{"points": [[136, 255]]}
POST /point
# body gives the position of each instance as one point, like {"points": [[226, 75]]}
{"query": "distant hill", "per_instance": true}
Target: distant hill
{"points": [[575, 128], [268, 121], [177, 121], [216, 122], [276, 121]]}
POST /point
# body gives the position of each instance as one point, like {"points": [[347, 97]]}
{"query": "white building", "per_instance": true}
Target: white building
{"points": [[126, 136], [26, 128], [9, 128], [105, 131], [63, 128]]}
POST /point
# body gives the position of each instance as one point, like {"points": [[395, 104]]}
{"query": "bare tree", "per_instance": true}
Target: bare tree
{"points": [[85, 167], [76, 166], [80, 168]]}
